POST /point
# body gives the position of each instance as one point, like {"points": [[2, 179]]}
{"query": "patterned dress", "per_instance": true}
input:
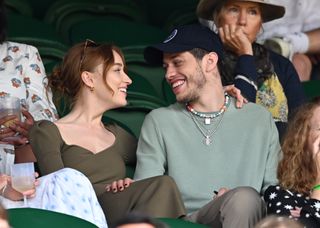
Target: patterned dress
{"points": [[66, 191], [280, 201], [22, 75]]}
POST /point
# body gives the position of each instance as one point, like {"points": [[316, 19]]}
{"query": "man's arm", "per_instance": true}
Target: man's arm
{"points": [[151, 154], [274, 155]]}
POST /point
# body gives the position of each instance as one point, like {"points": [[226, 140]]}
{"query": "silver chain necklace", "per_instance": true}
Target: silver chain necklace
{"points": [[206, 133]]}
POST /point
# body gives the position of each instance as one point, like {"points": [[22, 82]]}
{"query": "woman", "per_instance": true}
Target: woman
{"points": [[93, 77], [22, 75], [262, 76], [298, 193], [55, 192]]}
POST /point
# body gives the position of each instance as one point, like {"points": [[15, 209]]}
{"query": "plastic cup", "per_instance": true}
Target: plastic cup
{"points": [[22, 178], [10, 106]]}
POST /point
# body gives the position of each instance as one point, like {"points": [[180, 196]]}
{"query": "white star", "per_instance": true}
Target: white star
{"points": [[288, 207], [273, 195], [317, 205]]}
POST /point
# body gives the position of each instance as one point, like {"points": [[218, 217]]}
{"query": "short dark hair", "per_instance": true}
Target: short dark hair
{"points": [[3, 22], [134, 218], [198, 53]]}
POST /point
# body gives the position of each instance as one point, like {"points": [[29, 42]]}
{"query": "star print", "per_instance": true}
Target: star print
{"points": [[288, 207], [317, 214], [273, 195], [317, 205]]}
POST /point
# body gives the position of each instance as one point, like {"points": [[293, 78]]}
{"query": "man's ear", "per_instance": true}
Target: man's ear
{"points": [[87, 78], [211, 61]]}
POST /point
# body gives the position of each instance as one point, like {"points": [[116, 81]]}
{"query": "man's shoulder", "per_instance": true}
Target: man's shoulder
{"points": [[251, 109], [166, 111]]}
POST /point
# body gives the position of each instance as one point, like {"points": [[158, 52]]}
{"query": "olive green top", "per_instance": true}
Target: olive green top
{"points": [[53, 153]]}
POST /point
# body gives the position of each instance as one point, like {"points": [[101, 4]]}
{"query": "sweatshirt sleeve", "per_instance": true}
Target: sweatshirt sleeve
{"points": [[151, 157]]}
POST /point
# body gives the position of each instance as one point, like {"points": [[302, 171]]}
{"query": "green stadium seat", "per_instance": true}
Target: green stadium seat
{"points": [[19, 6], [130, 118], [165, 8], [182, 16], [119, 31], [179, 223], [64, 14], [137, 65], [38, 218], [38, 34], [311, 88]]}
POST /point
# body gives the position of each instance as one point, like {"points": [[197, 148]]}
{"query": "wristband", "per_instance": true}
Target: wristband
{"points": [[316, 187]]}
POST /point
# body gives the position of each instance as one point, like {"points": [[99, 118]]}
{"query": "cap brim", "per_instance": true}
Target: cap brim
{"points": [[154, 54]]}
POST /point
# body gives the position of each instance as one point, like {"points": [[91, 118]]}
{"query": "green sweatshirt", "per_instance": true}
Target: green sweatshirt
{"points": [[245, 151]]}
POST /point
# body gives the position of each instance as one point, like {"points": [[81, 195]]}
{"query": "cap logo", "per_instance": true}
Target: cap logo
{"points": [[171, 36]]}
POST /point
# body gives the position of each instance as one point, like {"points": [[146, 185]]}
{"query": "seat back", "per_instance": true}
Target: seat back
{"points": [[38, 218], [311, 88]]}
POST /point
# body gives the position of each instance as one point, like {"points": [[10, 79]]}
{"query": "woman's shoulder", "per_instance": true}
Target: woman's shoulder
{"points": [[43, 125], [117, 130]]}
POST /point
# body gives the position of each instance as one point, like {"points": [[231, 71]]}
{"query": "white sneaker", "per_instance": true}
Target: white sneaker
{"points": [[280, 46]]}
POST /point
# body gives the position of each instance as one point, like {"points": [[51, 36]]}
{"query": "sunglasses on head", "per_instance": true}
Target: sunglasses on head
{"points": [[88, 43]]}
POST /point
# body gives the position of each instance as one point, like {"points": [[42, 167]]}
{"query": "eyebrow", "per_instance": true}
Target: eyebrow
{"points": [[118, 64]]}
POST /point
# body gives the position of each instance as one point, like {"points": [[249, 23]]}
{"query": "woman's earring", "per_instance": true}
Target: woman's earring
{"points": [[92, 89]]}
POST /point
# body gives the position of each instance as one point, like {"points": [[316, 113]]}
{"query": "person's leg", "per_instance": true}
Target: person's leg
{"points": [[156, 197], [239, 207]]}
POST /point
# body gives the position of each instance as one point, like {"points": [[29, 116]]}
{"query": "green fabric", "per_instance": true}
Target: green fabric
{"points": [[178, 223], [38, 218], [245, 151], [312, 88]]}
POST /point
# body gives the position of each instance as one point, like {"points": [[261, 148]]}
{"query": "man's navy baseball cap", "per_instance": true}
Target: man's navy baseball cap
{"points": [[184, 38]]}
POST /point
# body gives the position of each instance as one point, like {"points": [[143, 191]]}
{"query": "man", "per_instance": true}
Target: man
{"points": [[203, 141]]}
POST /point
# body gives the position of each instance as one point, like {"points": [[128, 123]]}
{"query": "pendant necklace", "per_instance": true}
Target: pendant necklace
{"points": [[208, 117], [208, 133]]}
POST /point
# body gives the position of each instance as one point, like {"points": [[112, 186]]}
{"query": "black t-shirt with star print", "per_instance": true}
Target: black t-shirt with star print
{"points": [[280, 201]]}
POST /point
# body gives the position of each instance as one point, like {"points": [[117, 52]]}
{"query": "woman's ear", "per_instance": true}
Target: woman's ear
{"points": [[88, 79]]}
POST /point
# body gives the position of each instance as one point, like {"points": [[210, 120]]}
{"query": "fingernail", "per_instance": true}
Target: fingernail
{"points": [[126, 185], [114, 189], [121, 188]]}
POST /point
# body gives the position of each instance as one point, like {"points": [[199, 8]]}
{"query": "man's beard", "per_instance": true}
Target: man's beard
{"points": [[198, 80]]}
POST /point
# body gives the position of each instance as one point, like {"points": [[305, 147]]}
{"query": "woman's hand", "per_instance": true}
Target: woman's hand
{"points": [[21, 129], [235, 40], [119, 185], [12, 194], [236, 93], [296, 212]]}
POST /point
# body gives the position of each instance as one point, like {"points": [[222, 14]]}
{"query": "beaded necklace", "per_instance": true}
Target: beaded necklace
{"points": [[207, 117]]}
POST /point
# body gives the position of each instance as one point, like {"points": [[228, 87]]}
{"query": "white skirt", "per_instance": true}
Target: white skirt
{"points": [[66, 191]]}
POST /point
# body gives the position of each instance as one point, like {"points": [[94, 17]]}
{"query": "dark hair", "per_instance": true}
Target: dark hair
{"points": [[3, 22], [135, 218], [198, 53], [297, 169], [66, 78]]}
